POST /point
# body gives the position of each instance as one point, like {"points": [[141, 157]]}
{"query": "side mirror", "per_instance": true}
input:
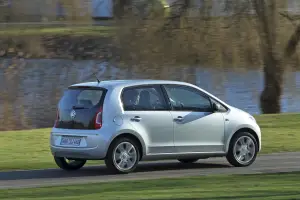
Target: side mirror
{"points": [[216, 107]]}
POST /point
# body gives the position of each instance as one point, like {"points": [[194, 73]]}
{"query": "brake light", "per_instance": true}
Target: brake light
{"points": [[57, 119], [98, 119]]}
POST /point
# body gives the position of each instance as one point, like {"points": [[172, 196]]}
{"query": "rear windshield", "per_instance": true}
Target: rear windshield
{"points": [[81, 98]]}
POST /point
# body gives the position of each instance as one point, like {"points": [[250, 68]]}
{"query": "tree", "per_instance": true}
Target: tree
{"points": [[119, 7], [265, 17], [179, 37], [267, 13]]}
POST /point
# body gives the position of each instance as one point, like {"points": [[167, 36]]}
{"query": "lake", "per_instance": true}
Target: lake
{"points": [[30, 89]]}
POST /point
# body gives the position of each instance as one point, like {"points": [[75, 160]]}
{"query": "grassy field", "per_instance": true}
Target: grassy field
{"points": [[30, 149], [263, 186], [42, 31]]}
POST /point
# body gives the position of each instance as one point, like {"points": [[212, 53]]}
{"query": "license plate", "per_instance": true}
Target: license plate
{"points": [[70, 141]]}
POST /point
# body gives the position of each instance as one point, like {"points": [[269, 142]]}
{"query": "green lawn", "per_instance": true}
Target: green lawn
{"points": [[41, 31], [30, 149], [26, 150], [263, 186], [280, 133]]}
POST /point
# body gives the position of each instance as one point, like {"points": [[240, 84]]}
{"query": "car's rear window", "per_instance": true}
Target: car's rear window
{"points": [[81, 98]]}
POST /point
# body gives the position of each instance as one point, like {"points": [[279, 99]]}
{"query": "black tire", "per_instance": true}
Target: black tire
{"points": [[73, 165], [230, 155], [109, 160], [191, 160]]}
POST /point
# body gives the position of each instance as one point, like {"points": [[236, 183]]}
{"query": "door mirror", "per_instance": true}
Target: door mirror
{"points": [[216, 107]]}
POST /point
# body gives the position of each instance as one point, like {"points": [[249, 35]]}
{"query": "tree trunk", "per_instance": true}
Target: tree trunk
{"points": [[273, 75], [119, 7], [270, 99]]}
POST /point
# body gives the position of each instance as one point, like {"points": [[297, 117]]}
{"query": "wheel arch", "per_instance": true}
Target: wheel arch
{"points": [[244, 129], [140, 142]]}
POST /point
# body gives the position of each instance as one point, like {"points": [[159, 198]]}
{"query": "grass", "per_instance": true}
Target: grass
{"points": [[26, 150], [29, 149], [262, 186], [41, 31], [280, 133]]}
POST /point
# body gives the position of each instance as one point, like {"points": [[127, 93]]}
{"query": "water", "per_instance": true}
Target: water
{"points": [[242, 88], [30, 89]]}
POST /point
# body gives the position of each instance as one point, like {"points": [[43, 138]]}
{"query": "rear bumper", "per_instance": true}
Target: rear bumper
{"points": [[86, 154], [93, 146]]}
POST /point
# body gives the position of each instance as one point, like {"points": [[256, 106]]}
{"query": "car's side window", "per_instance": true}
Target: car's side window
{"points": [[143, 98], [184, 98]]}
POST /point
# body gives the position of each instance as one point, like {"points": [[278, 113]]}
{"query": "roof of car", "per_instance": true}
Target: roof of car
{"points": [[126, 83]]}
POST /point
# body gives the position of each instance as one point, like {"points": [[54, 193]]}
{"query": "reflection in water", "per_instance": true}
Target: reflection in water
{"points": [[242, 90], [30, 89]]}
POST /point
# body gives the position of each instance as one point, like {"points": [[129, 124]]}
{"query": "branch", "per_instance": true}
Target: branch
{"points": [[292, 44], [289, 17], [183, 6], [238, 15], [290, 48]]}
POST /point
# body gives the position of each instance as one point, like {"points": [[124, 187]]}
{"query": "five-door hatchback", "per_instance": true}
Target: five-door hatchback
{"points": [[126, 121]]}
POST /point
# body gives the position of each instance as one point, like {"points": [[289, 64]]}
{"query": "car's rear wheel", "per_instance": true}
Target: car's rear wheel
{"points": [[243, 150], [188, 160], [68, 164], [123, 156]]}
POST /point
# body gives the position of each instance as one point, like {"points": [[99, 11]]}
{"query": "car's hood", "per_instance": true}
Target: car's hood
{"points": [[240, 111]]}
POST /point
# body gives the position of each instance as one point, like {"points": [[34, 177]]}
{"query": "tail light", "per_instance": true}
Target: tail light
{"points": [[98, 119], [57, 118]]}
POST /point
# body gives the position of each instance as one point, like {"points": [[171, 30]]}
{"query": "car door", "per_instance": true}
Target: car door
{"points": [[196, 127], [147, 110]]}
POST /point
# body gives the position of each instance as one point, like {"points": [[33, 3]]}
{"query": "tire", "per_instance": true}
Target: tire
{"points": [[73, 165], [115, 156], [188, 160], [235, 143]]}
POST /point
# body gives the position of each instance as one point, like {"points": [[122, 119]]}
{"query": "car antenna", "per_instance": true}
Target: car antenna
{"points": [[97, 78]]}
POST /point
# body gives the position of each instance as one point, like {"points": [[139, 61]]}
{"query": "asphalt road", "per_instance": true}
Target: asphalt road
{"points": [[284, 162]]}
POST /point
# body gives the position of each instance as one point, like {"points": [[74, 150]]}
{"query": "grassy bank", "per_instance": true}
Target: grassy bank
{"points": [[66, 42], [67, 30], [267, 186], [30, 149]]}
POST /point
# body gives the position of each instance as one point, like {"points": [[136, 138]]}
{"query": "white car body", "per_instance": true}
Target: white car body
{"points": [[157, 134]]}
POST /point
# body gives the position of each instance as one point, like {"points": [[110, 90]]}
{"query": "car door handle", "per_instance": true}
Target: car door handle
{"points": [[136, 119], [178, 119]]}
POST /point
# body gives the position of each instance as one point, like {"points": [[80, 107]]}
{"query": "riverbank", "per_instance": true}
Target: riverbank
{"points": [[280, 133], [79, 42], [140, 43]]}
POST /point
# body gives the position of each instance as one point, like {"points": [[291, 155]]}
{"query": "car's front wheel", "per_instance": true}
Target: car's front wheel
{"points": [[243, 150], [123, 156], [68, 164]]}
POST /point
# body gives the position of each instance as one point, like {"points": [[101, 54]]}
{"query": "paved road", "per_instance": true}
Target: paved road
{"points": [[284, 162]]}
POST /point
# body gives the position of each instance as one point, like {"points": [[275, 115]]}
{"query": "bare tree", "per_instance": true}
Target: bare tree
{"points": [[196, 39], [267, 14], [119, 7]]}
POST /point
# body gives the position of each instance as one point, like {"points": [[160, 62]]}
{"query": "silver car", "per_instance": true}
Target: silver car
{"points": [[125, 121]]}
